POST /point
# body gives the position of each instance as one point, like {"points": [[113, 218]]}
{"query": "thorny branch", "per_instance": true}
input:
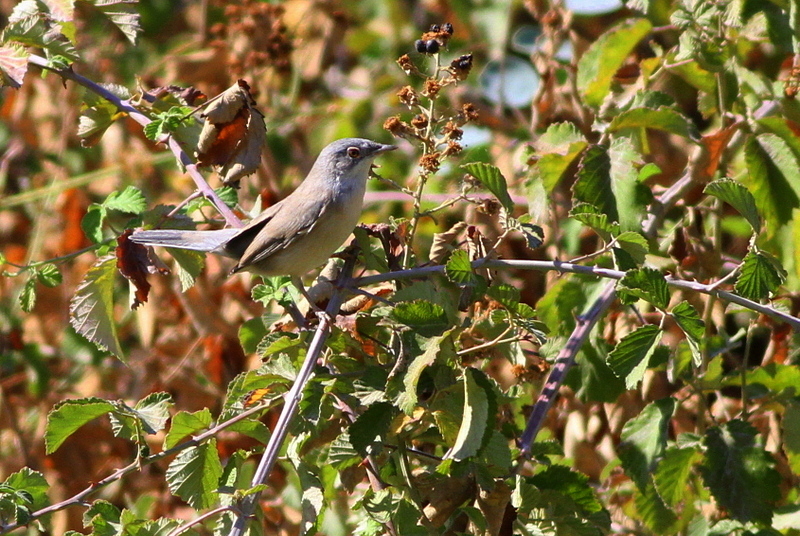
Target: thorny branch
{"points": [[125, 106]]}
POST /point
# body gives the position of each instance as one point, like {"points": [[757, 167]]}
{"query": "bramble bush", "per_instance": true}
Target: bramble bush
{"points": [[572, 307]]}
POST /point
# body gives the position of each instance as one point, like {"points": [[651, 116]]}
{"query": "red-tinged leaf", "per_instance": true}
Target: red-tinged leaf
{"points": [[13, 64], [233, 134], [133, 261], [716, 144], [92, 306]]}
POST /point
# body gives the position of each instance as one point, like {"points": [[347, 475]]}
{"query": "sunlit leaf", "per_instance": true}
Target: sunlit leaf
{"points": [[591, 216], [593, 185], [194, 475], [69, 415], [634, 244], [629, 359], [13, 64], [477, 418], [123, 14], [647, 284], [557, 149], [772, 178], [130, 200], [760, 276], [493, 180], [92, 306], [459, 270], [599, 64], [184, 424], [644, 440], [738, 197], [672, 474], [662, 118], [687, 317]]}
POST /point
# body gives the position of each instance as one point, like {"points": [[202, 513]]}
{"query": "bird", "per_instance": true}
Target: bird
{"points": [[300, 232]]}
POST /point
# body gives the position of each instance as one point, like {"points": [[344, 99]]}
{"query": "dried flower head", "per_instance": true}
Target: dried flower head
{"points": [[467, 113], [406, 64], [408, 96], [430, 162], [461, 66], [453, 148], [431, 88], [490, 207], [420, 121], [452, 132], [396, 127]]}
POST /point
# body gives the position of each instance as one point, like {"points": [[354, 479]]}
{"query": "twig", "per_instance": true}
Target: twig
{"points": [[292, 402], [135, 465], [564, 361], [544, 266], [199, 519], [124, 105]]}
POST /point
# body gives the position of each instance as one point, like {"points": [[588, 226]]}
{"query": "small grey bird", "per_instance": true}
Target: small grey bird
{"points": [[301, 231]]}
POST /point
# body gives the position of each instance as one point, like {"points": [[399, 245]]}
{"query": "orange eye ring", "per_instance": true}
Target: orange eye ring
{"points": [[353, 152]]}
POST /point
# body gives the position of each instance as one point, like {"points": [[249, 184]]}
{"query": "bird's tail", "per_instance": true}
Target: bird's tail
{"points": [[194, 240]]}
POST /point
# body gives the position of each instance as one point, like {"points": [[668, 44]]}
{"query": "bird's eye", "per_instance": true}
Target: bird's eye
{"points": [[353, 152]]}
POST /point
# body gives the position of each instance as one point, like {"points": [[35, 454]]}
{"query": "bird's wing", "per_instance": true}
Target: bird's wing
{"points": [[275, 229]]}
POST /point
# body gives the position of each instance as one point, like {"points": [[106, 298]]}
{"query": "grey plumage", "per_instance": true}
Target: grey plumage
{"points": [[300, 232]]}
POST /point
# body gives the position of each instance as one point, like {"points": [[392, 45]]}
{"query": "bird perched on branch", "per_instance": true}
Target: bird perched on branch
{"points": [[301, 231]]}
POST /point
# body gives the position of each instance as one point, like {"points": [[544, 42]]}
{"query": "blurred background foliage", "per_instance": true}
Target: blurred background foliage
{"points": [[325, 69]]}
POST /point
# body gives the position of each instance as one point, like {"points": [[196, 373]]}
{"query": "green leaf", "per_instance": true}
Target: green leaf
{"points": [[629, 359], [33, 484], [370, 426], [644, 283], [571, 484], [28, 26], [772, 178], [644, 440], [122, 14], [459, 270], [13, 64], [593, 184], [534, 235], [312, 501], [672, 474], [688, 319], [185, 424], [557, 149], [27, 297], [130, 200], [92, 306], [153, 411], [654, 513], [661, 118], [740, 473], [48, 275], [631, 197], [92, 223], [737, 196], [426, 318], [190, 265], [760, 276], [407, 400], [478, 418], [634, 244], [194, 475], [493, 180], [599, 64], [69, 415], [591, 216]]}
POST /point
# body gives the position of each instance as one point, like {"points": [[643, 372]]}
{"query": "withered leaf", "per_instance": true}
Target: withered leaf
{"points": [[134, 262], [233, 134]]}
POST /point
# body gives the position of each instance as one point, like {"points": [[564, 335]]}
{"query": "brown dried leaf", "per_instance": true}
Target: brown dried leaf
{"points": [[442, 242], [233, 134], [134, 262], [716, 144]]}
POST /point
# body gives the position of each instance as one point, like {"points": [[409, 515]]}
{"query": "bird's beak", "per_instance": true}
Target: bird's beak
{"points": [[385, 148]]}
